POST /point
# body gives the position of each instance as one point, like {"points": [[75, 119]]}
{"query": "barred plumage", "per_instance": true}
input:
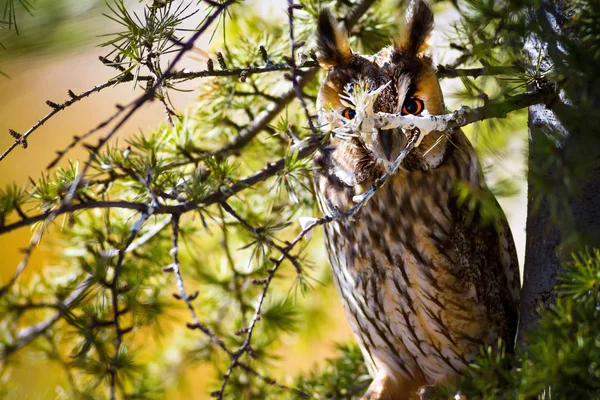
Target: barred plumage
{"points": [[424, 281]]}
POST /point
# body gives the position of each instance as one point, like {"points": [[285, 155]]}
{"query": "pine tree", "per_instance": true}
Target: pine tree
{"points": [[198, 232]]}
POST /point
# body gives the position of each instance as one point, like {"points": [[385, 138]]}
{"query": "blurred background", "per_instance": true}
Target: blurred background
{"points": [[56, 50]]}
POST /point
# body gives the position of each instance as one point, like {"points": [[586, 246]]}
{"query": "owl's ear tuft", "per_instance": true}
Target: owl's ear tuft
{"points": [[332, 41], [417, 31]]}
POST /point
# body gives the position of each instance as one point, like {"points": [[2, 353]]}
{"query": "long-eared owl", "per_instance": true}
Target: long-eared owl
{"points": [[424, 279]]}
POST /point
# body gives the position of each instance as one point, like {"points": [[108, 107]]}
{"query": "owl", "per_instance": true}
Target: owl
{"points": [[425, 280]]}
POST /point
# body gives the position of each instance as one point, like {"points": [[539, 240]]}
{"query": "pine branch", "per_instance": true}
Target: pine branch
{"points": [[448, 122], [28, 334], [183, 295], [56, 108], [115, 291], [443, 71], [133, 108], [294, 68], [239, 72], [460, 118], [446, 71]]}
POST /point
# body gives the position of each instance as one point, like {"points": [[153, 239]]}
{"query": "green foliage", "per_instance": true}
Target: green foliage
{"points": [[585, 22], [144, 37], [176, 244], [42, 27], [224, 259], [345, 377], [10, 12]]}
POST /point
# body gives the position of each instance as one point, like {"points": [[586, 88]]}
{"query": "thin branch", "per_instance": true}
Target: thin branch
{"points": [[175, 268], [115, 290], [141, 240], [292, 62], [262, 120], [240, 72], [447, 122], [56, 108], [187, 298], [247, 346], [445, 71], [271, 169], [465, 115], [26, 335], [77, 139], [133, 107], [261, 236]]}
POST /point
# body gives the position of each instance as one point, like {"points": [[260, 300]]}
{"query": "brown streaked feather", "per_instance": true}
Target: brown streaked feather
{"points": [[487, 258], [417, 31], [332, 41]]}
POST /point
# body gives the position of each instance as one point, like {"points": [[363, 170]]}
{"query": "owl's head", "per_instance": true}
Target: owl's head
{"points": [[412, 87]]}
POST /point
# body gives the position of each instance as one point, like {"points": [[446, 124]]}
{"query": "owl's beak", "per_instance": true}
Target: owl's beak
{"points": [[386, 142]]}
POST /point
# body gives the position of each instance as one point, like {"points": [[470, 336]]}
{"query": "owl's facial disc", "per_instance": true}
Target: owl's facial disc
{"points": [[408, 84], [393, 96]]}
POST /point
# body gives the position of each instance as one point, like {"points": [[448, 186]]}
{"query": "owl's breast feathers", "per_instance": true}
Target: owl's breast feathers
{"points": [[424, 281]]}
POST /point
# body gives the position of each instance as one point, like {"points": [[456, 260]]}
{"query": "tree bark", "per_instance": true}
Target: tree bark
{"points": [[575, 224]]}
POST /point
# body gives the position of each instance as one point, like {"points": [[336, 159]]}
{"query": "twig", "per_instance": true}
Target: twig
{"points": [[215, 197], [247, 345], [445, 71], [141, 240], [174, 267], [467, 116], [292, 62], [183, 295], [135, 105], [77, 139], [457, 119], [114, 289], [22, 139], [239, 72], [26, 335], [262, 120], [262, 237]]}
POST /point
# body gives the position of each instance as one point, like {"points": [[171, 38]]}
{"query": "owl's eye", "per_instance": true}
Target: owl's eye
{"points": [[348, 113], [412, 106]]}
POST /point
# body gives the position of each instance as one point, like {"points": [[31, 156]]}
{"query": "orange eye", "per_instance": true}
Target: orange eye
{"points": [[348, 113], [412, 106]]}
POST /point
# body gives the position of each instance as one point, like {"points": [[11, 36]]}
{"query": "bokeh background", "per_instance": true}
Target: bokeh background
{"points": [[56, 50]]}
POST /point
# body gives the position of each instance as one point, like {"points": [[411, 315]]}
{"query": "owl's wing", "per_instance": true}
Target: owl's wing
{"points": [[487, 258]]}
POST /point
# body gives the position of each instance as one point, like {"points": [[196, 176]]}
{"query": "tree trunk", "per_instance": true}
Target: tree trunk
{"points": [[575, 223]]}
